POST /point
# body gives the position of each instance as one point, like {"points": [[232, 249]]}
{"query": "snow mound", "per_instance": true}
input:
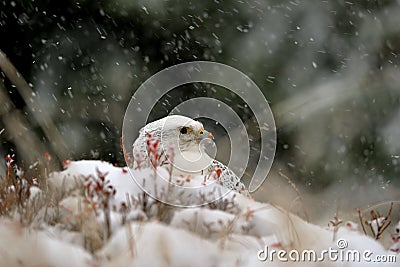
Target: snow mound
{"points": [[22, 247]]}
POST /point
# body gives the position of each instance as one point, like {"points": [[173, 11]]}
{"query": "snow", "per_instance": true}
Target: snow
{"points": [[34, 192], [395, 247], [207, 223], [127, 187], [226, 233], [376, 224], [20, 247], [151, 245], [76, 171]]}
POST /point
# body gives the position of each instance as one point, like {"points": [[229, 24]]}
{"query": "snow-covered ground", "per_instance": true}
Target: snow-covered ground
{"points": [[114, 223]]}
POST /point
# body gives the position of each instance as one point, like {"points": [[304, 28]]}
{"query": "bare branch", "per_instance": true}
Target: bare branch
{"points": [[40, 115]]}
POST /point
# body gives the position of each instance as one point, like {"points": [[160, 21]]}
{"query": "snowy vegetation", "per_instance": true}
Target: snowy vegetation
{"points": [[94, 214]]}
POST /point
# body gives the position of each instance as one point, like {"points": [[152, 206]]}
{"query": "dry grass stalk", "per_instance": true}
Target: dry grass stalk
{"points": [[336, 220], [293, 185]]}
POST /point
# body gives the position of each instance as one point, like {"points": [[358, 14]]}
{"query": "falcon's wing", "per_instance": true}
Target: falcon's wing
{"points": [[228, 178]]}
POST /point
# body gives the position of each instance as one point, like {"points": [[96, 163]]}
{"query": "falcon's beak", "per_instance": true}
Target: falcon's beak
{"points": [[203, 134]]}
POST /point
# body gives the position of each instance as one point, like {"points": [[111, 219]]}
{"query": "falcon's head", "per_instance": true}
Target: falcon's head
{"points": [[184, 135], [182, 132]]}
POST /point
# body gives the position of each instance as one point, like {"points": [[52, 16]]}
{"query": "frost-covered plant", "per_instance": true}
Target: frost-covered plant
{"points": [[378, 223], [157, 156], [336, 221], [223, 203], [153, 150], [99, 192], [15, 193], [127, 155]]}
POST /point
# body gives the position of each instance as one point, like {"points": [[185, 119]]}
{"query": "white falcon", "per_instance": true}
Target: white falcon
{"points": [[181, 141]]}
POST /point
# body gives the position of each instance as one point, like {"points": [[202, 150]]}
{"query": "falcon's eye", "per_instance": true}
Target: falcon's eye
{"points": [[201, 132], [184, 130]]}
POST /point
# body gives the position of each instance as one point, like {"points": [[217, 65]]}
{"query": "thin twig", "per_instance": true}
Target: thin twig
{"points": [[361, 221], [391, 202]]}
